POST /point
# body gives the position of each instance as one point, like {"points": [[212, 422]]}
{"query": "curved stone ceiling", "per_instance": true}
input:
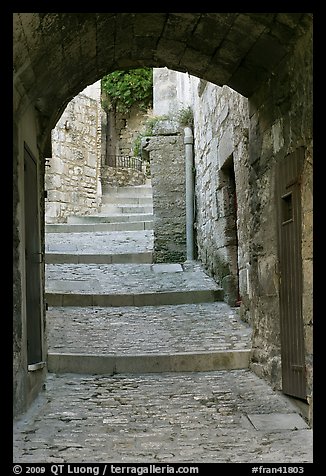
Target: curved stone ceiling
{"points": [[57, 54]]}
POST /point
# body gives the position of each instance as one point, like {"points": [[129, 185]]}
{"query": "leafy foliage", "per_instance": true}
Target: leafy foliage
{"points": [[123, 89]]}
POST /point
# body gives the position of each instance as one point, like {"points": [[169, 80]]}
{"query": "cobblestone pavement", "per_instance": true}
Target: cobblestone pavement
{"points": [[193, 417], [126, 278], [190, 417], [100, 242], [150, 329]]}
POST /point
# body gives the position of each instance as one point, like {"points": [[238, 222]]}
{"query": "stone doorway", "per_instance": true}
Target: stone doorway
{"points": [[230, 281], [33, 261], [290, 262]]}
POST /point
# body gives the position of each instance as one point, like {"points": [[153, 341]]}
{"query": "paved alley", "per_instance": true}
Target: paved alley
{"points": [[148, 364], [226, 416]]}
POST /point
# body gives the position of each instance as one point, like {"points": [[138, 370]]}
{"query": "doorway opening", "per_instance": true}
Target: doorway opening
{"points": [[33, 261], [231, 229]]}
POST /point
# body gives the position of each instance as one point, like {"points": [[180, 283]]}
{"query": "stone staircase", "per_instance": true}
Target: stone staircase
{"points": [[123, 209], [111, 310]]}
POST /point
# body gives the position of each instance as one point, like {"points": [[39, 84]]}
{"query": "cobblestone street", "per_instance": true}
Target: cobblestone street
{"points": [[189, 417], [162, 416], [150, 329]]}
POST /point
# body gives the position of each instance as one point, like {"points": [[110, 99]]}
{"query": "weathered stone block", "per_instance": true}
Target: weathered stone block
{"points": [[168, 183], [226, 146], [267, 276], [277, 135], [307, 307], [308, 338], [54, 182], [307, 269], [229, 286], [166, 128]]}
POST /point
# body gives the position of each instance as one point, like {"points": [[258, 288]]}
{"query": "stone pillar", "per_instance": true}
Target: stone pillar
{"points": [[166, 151]]}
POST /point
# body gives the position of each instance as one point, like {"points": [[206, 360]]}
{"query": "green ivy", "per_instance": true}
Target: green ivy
{"points": [[123, 89]]}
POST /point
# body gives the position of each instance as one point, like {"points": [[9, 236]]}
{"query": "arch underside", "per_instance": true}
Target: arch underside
{"points": [[56, 55]]}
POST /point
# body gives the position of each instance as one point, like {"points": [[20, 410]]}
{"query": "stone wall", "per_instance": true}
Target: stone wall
{"points": [[167, 162], [171, 91], [121, 177], [280, 123], [72, 179], [250, 139], [221, 124], [121, 131], [221, 156], [134, 124]]}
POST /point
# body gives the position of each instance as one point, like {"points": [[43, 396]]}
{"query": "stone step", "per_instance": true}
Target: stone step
{"points": [[101, 218], [86, 258], [148, 363], [126, 200], [101, 243], [97, 227], [185, 328], [126, 209], [73, 297], [129, 284], [129, 191]]}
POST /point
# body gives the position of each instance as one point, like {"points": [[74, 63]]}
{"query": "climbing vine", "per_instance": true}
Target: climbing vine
{"points": [[123, 89]]}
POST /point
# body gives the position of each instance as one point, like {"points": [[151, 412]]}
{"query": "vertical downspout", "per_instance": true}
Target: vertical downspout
{"points": [[188, 141]]}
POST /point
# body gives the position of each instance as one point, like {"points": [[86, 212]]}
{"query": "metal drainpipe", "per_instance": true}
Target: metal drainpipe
{"points": [[188, 141]]}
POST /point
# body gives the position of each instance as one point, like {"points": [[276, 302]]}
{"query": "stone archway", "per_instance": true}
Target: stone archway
{"points": [[264, 56], [240, 50]]}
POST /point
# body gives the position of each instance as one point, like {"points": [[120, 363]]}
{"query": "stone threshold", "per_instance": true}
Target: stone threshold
{"points": [[83, 258], [96, 227], [148, 363], [144, 299]]}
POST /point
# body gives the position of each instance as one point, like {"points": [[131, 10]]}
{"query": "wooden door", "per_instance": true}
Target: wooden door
{"points": [[290, 262], [32, 260]]}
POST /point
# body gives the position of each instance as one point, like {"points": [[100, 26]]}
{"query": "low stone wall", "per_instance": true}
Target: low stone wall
{"points": [[120, 177]]}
